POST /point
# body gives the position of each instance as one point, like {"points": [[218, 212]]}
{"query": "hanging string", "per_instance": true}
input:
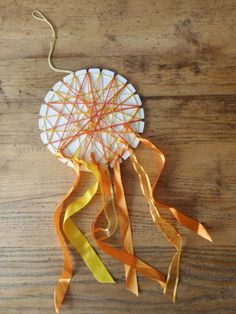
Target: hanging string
{"points": [[39, 16]]}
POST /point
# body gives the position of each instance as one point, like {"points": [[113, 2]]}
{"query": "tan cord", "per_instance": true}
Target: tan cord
{"points": [[39, 16]]}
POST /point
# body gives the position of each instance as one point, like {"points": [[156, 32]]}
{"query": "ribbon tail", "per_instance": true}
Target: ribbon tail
{"points": [[175, 239], [188, 222], [66, 275], [168, 230], [107, 194], [125, 228], [102, 234], [184, 220], [76, 237]]}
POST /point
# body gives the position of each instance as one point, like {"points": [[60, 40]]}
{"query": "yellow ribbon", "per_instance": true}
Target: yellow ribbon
{"points": [[75, 236], [66, 275], [77, 239]]}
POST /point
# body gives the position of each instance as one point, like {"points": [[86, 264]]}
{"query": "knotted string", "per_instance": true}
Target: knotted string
{"points": [[39, 16]]}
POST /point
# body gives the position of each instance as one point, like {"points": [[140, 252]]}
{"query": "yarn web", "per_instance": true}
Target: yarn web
{"points": [[88, 112]]}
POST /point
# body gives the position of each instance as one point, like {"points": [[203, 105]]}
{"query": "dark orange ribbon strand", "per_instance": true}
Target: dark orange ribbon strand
{"points": [[125, 228], [101, 235]]}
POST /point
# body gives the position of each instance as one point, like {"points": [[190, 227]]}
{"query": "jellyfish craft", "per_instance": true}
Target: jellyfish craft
{"points": [[92, 121]]}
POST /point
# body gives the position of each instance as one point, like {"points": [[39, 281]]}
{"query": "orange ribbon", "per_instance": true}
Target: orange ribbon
{"points": [[184, 220], [126, 253], [169, 231], [102, 234], [125, 228], [66, 275], [114, 210], [76, 237]]}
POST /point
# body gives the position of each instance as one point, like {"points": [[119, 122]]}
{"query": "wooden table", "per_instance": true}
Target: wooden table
{"points": [[180, 55]]}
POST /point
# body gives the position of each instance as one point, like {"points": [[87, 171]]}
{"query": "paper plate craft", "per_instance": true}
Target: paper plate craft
{"points": [[92, 120], [91, 112]]}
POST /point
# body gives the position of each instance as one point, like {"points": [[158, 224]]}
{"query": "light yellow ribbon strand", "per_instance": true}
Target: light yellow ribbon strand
{"points": [[169, 231]]}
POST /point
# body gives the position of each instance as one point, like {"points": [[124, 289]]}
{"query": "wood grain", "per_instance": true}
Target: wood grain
{"points": [[180, 55]]}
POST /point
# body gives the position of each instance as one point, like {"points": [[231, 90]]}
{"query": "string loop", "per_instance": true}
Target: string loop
{"points": [[39, 16]]}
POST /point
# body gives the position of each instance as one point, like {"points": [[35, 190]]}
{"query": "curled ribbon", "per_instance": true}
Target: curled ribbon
{"points": [[168, 230], [76, 238], [102, 234], [115, 212], [125, 228]]}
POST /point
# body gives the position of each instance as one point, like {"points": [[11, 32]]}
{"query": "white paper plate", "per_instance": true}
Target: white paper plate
{"points": [[87, 112]]}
